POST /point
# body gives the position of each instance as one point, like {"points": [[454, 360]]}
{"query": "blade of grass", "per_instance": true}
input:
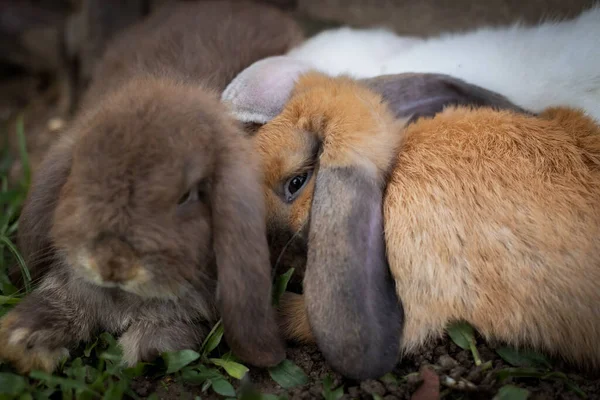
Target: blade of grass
{"points": [[24, 270]]}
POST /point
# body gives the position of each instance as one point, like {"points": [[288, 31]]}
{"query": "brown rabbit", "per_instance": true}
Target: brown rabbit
{"points": [[488, 215], [146, 219]]}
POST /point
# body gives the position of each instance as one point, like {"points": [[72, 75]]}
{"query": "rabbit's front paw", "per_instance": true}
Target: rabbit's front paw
{"points": [[23, 347]]}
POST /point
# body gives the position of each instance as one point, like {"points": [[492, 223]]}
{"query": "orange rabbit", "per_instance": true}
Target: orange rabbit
{"points": [[489, 215]]}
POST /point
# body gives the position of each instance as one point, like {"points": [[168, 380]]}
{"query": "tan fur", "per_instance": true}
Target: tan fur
{"points": [[353, 121], [14, 349], [293, 318], [492, 217]]}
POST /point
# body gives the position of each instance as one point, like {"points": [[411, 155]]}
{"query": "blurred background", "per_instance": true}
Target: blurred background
{"points": [[48, 47]]}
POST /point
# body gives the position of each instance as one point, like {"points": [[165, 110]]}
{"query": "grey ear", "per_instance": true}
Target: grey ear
{"points": [[425, 94], [258, 93], [353, 309]]}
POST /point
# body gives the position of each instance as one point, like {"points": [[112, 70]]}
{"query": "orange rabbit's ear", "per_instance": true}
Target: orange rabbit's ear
{"points": [[242, 257], [260, 91], [425, 94]]}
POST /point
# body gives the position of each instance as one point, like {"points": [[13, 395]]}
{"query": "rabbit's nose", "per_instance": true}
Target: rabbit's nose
{"points": [[115, 260]]}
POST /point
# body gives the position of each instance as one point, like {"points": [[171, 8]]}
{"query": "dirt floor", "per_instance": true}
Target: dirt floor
{"points": [[459, 378]]}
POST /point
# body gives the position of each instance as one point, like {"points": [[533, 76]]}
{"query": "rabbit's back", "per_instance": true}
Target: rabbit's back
{"points": [[494, 218], [203, 43], [551, 64]]}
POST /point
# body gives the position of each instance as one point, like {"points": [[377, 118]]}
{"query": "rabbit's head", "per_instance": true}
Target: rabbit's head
{"points": [[327, 146], [155, 192]]}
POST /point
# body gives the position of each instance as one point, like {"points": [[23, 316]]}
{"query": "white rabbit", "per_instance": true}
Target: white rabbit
{"points": [[556, 62], [351, 51]]}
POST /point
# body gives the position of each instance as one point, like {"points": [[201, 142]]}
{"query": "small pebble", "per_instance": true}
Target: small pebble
{"points": [[457, 372], [447, 362], [56, 124], [353, 392]]}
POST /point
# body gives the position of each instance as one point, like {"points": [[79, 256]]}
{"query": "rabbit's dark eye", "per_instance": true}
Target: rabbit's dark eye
{"points": [[197, 193], [293, 186]]}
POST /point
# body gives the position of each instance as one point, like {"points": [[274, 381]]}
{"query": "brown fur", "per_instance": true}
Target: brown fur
{"points": [[490, 216], [147, 218]]}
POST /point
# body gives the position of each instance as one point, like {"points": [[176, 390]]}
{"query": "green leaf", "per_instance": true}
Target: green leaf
{"points": [[223, 387], [328, 392], [89, 347], [77, 370], [389, 378], [26, 396], [281, 285], [64, 383], [506, 373], [288, 375], [115, 390], [376, 397], [463, 335], [135, 371], [11, 383], [510, 392], [213, 339], [234, 369], [176, 360], [523, 358]]}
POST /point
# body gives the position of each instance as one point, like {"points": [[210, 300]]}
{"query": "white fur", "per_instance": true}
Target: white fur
{"points": [[550, 64], [356, 52]]}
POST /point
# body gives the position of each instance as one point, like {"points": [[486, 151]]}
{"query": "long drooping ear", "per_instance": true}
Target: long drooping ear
{"points": [[425, 94], [258, 93], [36, 219], [354, 312], [242, 256]]}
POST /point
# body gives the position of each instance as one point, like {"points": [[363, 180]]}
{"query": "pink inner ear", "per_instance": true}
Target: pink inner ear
{"points": [[259, 93]]}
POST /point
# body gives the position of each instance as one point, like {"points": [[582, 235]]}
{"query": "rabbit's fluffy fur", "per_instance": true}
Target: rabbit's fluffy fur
{"points": [[146, 219], [490, 216], [554, 63]]}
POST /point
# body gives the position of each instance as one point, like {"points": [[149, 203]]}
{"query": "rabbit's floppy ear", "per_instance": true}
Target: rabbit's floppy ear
{"points": [[425, 94], [36, 219], [258, 93], [242, 257], [354, 312], [351, 300]]}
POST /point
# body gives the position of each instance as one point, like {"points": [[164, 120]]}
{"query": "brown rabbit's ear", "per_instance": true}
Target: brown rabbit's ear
{"points": [[243, 263], [425, 94], [36, 219], [351, 301], [258, 93]]}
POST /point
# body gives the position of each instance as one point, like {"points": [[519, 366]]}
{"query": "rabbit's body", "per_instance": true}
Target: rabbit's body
{"points": [[550, 64], [486, 215], [146, 217], [494, 218]]}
